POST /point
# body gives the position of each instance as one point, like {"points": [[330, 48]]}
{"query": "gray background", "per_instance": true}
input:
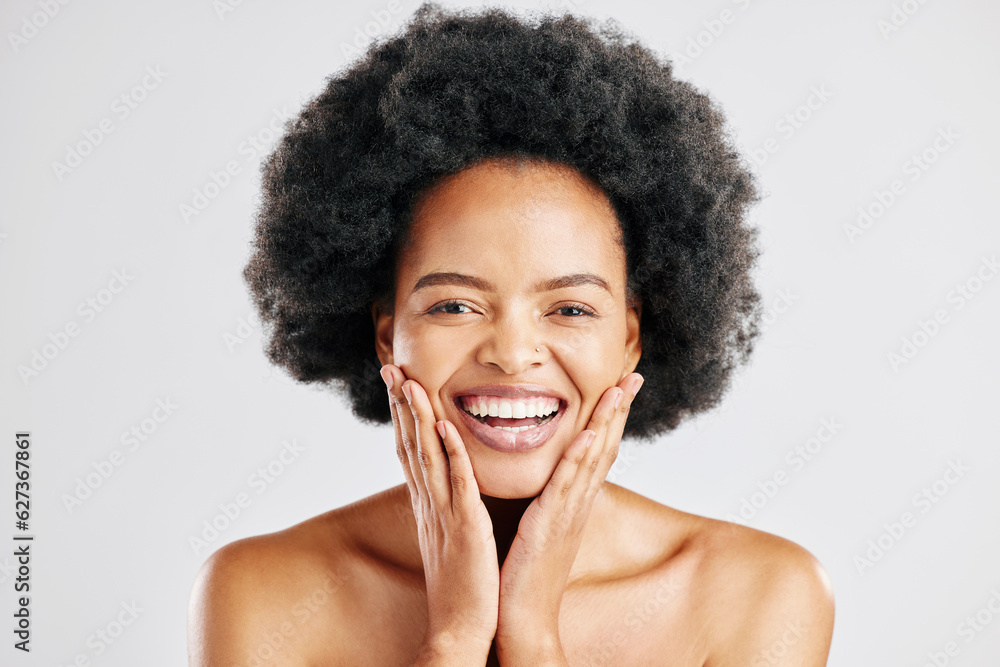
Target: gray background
{"points": [[181, 330]]}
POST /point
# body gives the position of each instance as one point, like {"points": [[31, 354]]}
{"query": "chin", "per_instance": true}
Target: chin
{"points": [[516, 483]]}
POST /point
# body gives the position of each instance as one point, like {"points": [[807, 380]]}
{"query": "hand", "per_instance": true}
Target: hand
{"points": [[537, 567], [454, 529]]}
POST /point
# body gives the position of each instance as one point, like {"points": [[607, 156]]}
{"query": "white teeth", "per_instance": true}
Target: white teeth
{"points": [[482, 406], [514, 429]]}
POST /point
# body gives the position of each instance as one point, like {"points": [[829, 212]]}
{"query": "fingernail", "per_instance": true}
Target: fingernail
{"points": [[406, 392], [590, 438], [441, 429], [637, 384], [386, 377], [618, 399]]}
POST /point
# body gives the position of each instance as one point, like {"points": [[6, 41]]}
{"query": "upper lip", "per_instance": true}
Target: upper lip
{"points": [[511, 391]]}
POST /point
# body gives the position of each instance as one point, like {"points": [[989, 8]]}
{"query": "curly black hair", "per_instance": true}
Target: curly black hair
{"points": [[453, 88]]}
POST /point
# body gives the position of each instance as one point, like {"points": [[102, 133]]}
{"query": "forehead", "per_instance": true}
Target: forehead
{"points": [[537, 218]]}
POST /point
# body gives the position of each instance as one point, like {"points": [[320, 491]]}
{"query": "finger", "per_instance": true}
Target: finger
{"points": [[392, 388], [464, 487], [402, 421], [556, 496], [599, 457], [571, 478], [613, 430], [429, 452], [630, 385], [571, 489]]}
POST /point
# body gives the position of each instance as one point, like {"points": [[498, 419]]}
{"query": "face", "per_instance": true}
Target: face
{"points": [[513, 277]]}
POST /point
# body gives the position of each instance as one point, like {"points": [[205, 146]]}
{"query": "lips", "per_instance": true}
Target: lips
{"points": [[486, 428], [511, 391], [505, 441]]}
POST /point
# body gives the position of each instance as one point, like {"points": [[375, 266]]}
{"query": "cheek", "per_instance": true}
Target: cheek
{"points": [[593, 364], [424, 359], [412, 344], [599, 351]]}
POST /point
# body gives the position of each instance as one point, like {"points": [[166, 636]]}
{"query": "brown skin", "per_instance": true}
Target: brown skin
{"points": [[595, 574]]}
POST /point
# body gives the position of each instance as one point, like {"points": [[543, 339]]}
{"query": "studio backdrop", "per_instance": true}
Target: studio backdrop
{"points": [[145, 427]]}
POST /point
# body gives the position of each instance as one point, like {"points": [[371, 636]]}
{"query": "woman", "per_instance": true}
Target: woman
{"points": [[504, 222]]}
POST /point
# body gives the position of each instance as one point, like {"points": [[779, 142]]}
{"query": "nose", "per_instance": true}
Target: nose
{"points": [[513, 344]]}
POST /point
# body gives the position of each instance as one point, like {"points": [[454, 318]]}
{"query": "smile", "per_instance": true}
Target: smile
{"points": [[511, 424]]}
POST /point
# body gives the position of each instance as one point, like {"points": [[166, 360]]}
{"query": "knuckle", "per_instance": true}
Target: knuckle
{"points": [[425, 458], [458, 483], [407, 441]]}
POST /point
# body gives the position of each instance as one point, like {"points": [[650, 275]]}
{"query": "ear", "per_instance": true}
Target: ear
{"points": [[383, 318], [633, 337]]}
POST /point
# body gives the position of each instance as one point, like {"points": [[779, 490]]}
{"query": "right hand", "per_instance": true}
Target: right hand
{"points": [[454, 529]]}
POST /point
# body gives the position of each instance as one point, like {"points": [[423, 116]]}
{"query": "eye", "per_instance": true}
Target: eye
{"points": [[447, 307], [443, 306], [578, 307]]}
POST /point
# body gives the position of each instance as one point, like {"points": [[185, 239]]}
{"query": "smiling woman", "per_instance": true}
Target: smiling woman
{"points": [[546, 306], [516, 226]]}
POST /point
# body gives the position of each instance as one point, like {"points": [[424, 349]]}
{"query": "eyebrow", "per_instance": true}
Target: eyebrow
{"points": [[552, 284]]}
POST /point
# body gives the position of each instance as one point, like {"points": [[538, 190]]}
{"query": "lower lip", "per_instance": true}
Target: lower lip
{"points": [[505, 441]]}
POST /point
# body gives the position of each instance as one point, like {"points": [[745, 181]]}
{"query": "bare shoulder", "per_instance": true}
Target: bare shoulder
{"points": [[747, 597], [268, 595], [770, 600]]}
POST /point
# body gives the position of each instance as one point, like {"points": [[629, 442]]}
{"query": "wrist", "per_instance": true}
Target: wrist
{"points": [[450, 648], [531, 650]]}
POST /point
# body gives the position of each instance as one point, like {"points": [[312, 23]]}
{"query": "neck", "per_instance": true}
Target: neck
{"points": [[506, 515]]}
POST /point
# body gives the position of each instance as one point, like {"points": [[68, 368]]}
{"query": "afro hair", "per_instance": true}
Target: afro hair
{"points": [[453, 88]]}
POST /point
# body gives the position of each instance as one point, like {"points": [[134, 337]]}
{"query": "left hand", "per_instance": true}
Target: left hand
{"points": [[534, 574]]}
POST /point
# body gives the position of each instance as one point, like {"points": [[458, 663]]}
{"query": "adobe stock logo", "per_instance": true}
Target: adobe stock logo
{"points": [[381, 20], [899, 17], [927, 329], [102, 639], [894, 531], [32, 25], [712, 30], [103, 469], [797, 457], [968, 629], [252, 148], [790, 123], [230, 510], [914, 167], [122, 107], [60, 339]]}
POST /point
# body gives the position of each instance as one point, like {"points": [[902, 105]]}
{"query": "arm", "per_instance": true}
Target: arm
{"points": [[254, 601], [543, 650], [246, 602], [220, 620], [446, 650], [786, 608]]}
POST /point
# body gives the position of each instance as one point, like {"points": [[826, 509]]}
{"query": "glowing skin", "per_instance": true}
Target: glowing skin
{"points": [[513, 228], [627, 581]]}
